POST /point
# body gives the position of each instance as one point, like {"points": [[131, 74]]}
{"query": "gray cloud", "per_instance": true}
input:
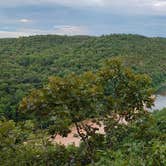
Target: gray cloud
{"points": [[100, 17], [138, 6]]}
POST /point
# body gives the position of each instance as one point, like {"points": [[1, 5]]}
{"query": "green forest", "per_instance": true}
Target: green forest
{"points": [[49, 83]]}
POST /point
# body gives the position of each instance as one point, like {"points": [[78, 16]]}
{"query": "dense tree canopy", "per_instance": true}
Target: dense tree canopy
{"points": [[110, 93], [142, 143], [113, 89], [26, 63], [87, 80]]}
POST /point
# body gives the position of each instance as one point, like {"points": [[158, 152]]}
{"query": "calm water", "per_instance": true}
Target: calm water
{"points": [[160, 102]]}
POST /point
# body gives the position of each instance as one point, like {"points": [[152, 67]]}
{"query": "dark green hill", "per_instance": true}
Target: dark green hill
{"points": [[27, 62]]}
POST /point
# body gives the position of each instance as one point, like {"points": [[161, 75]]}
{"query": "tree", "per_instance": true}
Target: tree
{"points": [[112, 91]]}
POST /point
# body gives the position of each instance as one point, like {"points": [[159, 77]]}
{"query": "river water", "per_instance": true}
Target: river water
{"points": [[160, 101]]}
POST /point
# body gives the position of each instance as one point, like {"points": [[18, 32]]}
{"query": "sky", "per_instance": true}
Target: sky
{"points": [[82, 17]]}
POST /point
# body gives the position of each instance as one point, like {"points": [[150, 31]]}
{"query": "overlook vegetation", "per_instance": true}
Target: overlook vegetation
{"points": [[110, 94], [115, 92], [142, 143], [48, 83], [26, 63]]}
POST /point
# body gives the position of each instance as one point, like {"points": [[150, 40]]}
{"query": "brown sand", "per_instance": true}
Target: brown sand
{"points": [[73, 137]]}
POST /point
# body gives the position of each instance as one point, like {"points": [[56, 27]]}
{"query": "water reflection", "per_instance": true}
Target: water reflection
{"points": [[160, 102]]}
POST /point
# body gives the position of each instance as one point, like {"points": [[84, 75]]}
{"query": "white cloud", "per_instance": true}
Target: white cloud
{"points": [[59, 30], [160, 5], [70, 30], [7, 34], [137, 6], [24, 20]]}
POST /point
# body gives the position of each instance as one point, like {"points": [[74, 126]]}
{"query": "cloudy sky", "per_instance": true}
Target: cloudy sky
{"points": [[82, 17]]}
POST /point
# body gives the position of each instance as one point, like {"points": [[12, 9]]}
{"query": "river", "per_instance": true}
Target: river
{"points": [[160, 101]]}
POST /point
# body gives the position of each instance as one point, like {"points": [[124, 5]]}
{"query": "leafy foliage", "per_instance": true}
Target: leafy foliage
{"points": [[26, 63], [140, 143], [110, 94], [85, 84]]}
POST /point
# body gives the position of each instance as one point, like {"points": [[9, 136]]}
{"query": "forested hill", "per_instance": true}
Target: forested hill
{"points": [[27, 62]]}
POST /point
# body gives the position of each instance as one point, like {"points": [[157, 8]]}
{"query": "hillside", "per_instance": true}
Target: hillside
{"points": [[27, 62]]}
